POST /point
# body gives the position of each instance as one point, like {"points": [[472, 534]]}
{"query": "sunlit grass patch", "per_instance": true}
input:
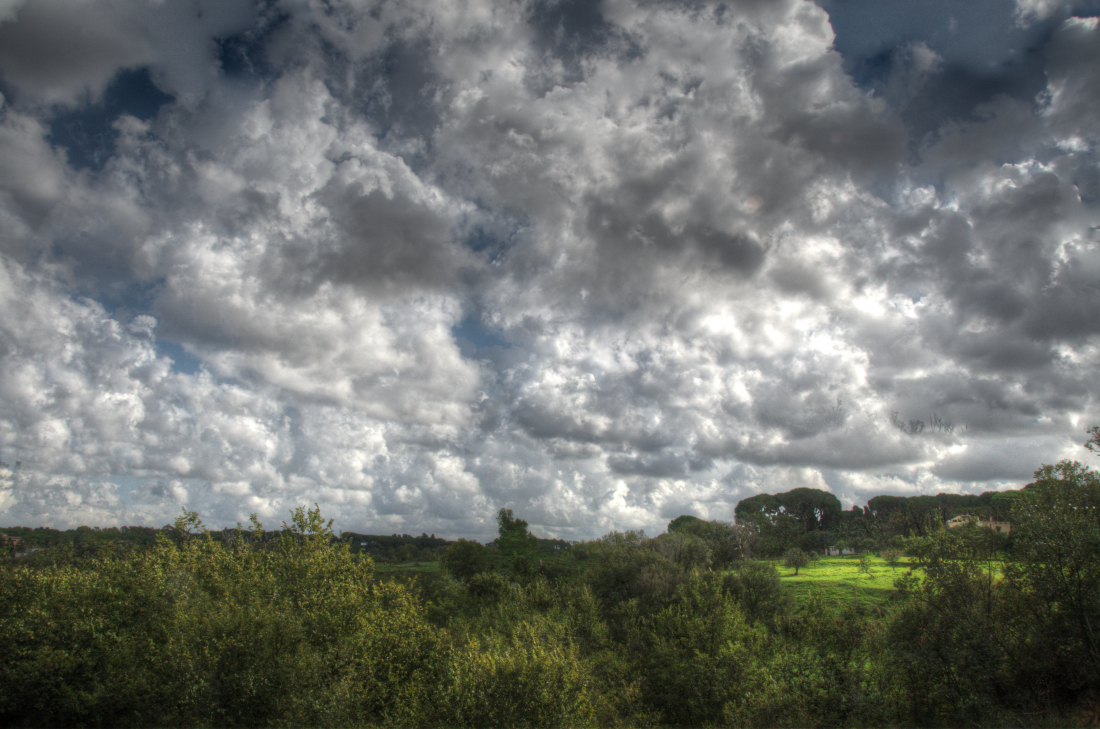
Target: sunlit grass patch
{"points": [[842, 583]]}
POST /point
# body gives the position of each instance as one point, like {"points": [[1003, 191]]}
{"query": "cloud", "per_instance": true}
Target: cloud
{"points": [[1073, 79], [705, 252], [56, 52], [1028, 11]]}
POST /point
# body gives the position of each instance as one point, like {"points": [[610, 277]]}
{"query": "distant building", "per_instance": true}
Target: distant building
{"points": [[1002, 527], [838, 551]]}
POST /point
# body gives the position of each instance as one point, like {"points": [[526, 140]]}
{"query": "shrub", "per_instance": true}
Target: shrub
{"points": [[464, 559], [532, 677], [698, 655], [759, 591], [202, 633]]}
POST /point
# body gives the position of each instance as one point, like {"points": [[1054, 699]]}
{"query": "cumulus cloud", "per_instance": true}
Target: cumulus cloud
{"points": [[598, 263]]}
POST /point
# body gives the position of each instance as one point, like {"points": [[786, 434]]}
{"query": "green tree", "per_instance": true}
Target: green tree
{"points": [[757, 588], [891, 557], [782, 520], [1056, 529], [514, 539], [796, 558], [464, 559], [814, 509], [948, 643], [690, 525], [698, 656]]}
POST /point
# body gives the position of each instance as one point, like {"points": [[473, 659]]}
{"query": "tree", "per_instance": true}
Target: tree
{"points": [[734, 542], [464, 559], [197, 632], [782, 519], [891, 557], [689, 525], [813, 508], [514, 539], [724, 542], [796, 558], [698, 655], [948, 643], [757, 588], [1056, 529]]}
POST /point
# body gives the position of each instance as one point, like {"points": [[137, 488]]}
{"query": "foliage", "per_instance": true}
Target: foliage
{"points": [[634, 573], [199, 632], [758, 590], [796, 558], [1057, 571], [530, 677], [464, 559], [698, 655], [946, 643], [514, 539], [683, 548], [699, 543], [397, 548], [970, 647], [687, 524], [891, 557], [809, 509]]}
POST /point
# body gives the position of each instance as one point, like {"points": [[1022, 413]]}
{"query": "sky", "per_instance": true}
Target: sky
{"points": [[601, 263]]}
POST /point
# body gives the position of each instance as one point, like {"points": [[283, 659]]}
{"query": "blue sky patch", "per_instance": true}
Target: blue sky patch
{"points": [[87, 133], [182, 361], [473, 336]]}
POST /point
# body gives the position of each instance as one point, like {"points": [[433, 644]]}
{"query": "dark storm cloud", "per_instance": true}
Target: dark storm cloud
{"points": [[600, 263]]}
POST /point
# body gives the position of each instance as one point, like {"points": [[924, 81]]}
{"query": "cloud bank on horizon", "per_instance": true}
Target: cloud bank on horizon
{"points": [[600, 263]]}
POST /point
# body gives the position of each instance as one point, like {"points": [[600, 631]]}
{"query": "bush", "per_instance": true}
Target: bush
{"points": [[530, 678], [699, 655], [759, 591], [464, 559], [634, 573]]}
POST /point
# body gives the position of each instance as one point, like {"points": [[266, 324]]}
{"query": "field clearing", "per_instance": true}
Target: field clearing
{"points": [[842, 584]]}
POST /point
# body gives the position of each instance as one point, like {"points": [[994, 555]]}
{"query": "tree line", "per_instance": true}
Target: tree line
{"points": [[811, 519]]}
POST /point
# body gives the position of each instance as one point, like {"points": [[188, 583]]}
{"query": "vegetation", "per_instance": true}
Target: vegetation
{"points": [[696, 627], [796, 558]]}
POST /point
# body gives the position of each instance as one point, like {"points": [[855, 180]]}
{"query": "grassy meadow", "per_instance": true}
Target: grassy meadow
{"points": [[841, 582]]}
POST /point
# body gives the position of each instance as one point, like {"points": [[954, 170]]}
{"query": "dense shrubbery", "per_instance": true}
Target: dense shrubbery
{"points": [[621, 631], [204, 633]]}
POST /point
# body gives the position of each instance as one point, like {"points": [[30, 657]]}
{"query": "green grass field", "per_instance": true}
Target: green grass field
{"points": [[841, 583]]}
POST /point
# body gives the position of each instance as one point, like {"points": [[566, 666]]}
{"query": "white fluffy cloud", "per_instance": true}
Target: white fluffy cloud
{"points": [[701, 261]]}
